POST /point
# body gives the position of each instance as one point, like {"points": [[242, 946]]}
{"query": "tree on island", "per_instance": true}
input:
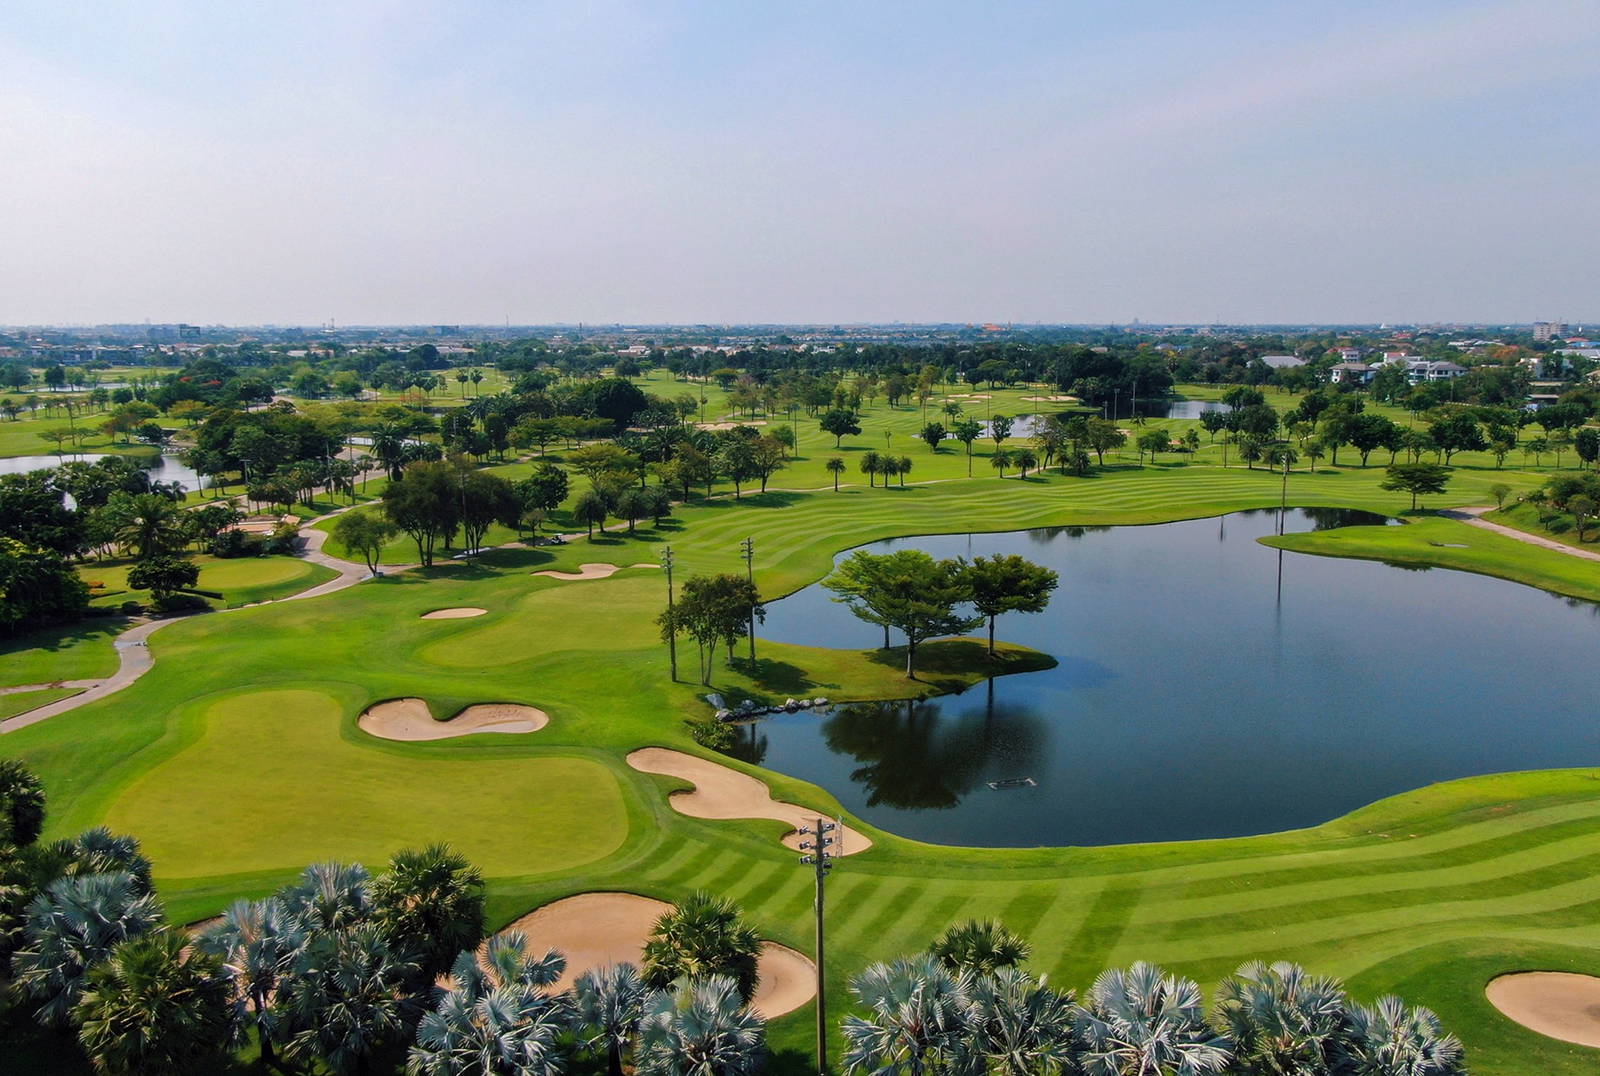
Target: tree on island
{"points": [[908, 590], [1007, 583], [1416, 479], [712, 609]]}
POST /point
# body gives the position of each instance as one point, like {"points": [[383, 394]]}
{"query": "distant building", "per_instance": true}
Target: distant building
{"points": [[1350, 373], [1283, 362], [1548, 330], [1421, 370]]}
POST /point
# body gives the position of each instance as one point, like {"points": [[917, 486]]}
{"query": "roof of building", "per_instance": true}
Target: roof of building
{"points": [[1283, 362]]}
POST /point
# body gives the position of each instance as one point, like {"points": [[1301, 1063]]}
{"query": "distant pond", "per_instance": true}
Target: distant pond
{"points": [[166, 467], [1208, 686]]}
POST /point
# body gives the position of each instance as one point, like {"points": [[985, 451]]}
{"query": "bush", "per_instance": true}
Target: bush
{"points": [[131, 608], [181, 603], [713, 734], [236, 543], [282, 539]]}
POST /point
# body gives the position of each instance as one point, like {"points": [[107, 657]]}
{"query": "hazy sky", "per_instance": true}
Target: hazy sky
{"points": [[754, 161]]}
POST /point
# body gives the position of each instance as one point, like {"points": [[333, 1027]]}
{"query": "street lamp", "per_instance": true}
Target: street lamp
{"points": [[819, 856], [672, 627], [748, 548]]}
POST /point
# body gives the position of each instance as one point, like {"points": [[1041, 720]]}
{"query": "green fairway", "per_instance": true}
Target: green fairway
{"points": [[513, 817], [237, 760], [22, 701], [81, 651], [240, 580], [1428, 541]]}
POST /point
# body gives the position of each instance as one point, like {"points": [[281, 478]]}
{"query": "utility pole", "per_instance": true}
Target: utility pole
{"points": [[672, 630], [818, 856], [748, 548]]}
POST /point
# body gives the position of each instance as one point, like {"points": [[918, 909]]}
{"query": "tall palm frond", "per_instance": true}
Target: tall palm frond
{"points": [[1392, 1039], [610, 1002], [329, 896], [1022, 1027], [700, 1028], [155, 1004], [702, 937], [921, 1018], [257, 942], [1284, 1021], [1140, 1021], [980, 947]]}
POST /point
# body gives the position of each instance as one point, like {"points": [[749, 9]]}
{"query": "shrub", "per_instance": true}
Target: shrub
{"points": [[716, 735]]}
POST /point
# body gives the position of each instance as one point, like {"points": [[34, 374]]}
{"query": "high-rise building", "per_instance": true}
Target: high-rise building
{"points": [[1547, 330]]}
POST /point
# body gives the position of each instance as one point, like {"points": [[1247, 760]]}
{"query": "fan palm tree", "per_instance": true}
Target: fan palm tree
{"points": [[702, 937], [1390, 1039], [981, 947], [432, 901], [71, 926], [610, 1003], [329, 896], [257, 942], [155, 1005], [94, 851], [1022, 1027], [836, 468], [1140, 1021], [496, 1016], [1282, 1020], [921, 1018], [1000, 460], [700, 1028], [345, 998]]}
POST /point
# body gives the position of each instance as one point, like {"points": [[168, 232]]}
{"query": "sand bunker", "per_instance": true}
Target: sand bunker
{"points": [[721, 792], [409, 719], [1559, 1004], [593, 571], [1049, 399], [596, 929], [454, 614]]}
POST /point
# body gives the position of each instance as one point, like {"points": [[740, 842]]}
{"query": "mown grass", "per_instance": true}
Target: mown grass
{"points": [[23, 701], [240, 580], [1430, 893]]}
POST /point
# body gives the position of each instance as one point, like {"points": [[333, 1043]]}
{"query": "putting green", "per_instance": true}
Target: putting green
{"points": [[629, 606], [271, 782]]}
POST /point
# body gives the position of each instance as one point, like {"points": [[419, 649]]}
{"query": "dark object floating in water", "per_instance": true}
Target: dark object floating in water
{"points": [[1013, 782]]}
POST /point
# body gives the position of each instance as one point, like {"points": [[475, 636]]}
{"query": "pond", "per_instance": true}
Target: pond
{"points": [[166, 467], [1207, 686]]}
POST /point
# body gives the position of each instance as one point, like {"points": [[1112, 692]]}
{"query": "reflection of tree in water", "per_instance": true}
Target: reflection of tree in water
{"points": [[1327, 519], [750, 743], [916, 756], [1046, 535]]}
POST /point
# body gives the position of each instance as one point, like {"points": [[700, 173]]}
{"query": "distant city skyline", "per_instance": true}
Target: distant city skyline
{"points": [[672, 164]]}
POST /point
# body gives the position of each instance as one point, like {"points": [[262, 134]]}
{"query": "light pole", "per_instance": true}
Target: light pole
{"points": [[672, 627], [818, 856], [748, 548]]}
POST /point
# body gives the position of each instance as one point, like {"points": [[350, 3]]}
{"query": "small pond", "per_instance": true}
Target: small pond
{"points": [[1208, 686], [166, 467]]}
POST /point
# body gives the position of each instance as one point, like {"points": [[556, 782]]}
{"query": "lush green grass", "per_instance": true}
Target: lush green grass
{"points": [[1429, 541], [82, 651], [240, 580], [237, 760], [1556, 526], [23, 701]]}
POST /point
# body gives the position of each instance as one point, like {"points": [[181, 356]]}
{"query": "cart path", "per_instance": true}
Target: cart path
{"points": [[1471, 517]]}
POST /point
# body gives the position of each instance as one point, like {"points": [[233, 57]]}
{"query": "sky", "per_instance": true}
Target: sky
{"points": [[1070, 162]]}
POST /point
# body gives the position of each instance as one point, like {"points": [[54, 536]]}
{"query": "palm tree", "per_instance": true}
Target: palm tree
{"points": [[702, 937], [836, 468], [432, 901], [329, 896], [1022, 1027], [1000, 460], [71, 926], [1142, 1021], [700, 1028], [148, 523], [903, 468], [345, 998], [871, 463], [610, 1003], [921, 1018], [1283, 1020], [496, 1017], [257, 942], [1390, 1039], [1025, 458], [155, 1005], [980, 947]]}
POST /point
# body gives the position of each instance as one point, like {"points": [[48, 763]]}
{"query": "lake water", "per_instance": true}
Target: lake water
{"points": [[163, 468], [1208, 686]]}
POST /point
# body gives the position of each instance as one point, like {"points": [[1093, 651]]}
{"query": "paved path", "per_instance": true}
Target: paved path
{"points": [[1470, 516], [133, 653]]}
